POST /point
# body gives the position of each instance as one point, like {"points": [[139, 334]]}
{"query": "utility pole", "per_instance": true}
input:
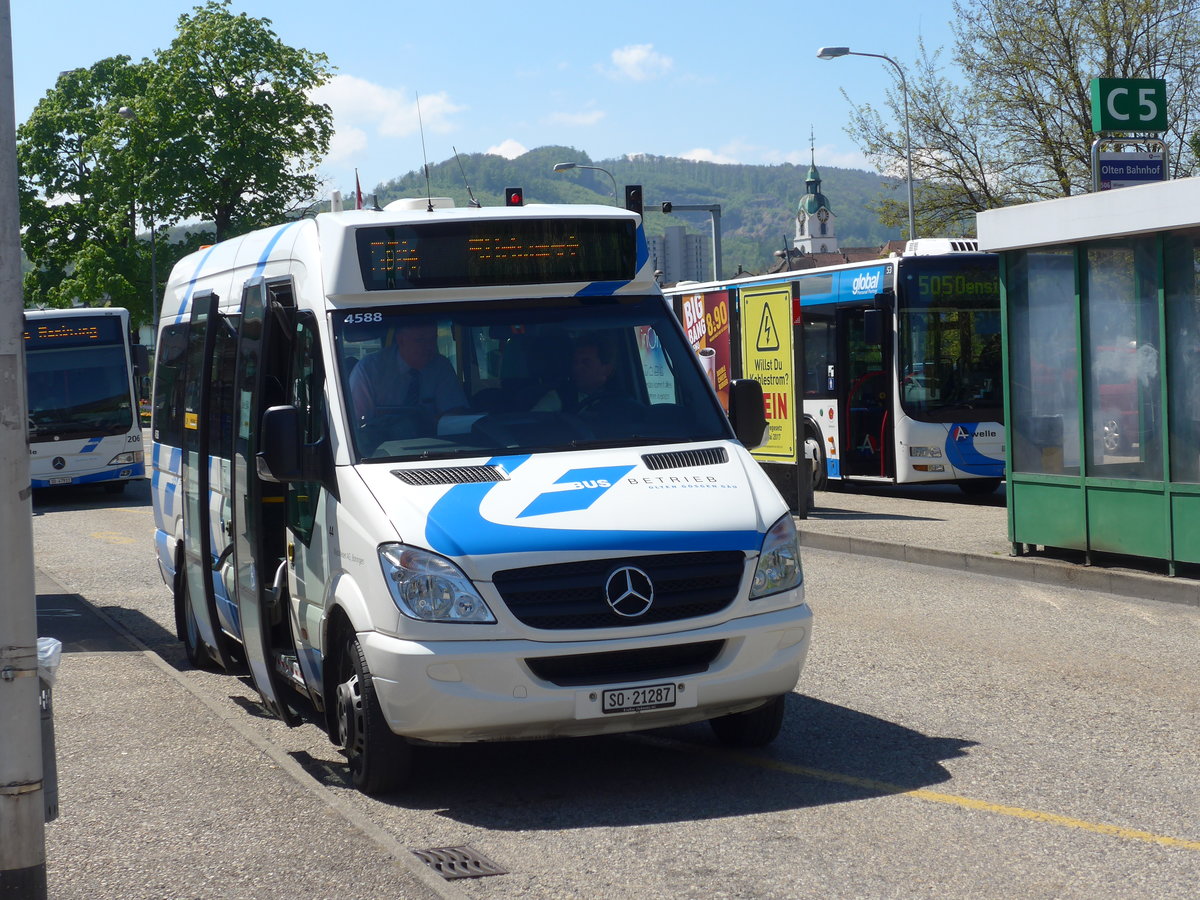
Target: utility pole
{"points": [[22, 814]]}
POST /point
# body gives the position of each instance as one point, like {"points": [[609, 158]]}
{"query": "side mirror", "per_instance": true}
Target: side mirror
{"points": [[746, 412], [281, 445]]}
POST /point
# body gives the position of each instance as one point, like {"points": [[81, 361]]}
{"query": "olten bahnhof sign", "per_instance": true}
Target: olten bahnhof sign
{"points": [[1127, 114]]}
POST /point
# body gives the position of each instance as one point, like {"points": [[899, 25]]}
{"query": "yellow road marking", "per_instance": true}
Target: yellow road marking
{"points": [[883, 787], [114, 537]]}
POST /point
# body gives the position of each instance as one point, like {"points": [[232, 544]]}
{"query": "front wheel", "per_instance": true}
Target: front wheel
{"points": [[753, 728], [187, 629], [380, 760], [814, 450]]}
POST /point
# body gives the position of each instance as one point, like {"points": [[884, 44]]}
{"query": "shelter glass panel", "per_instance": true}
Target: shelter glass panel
{"points": [[1123, 391], [1181, 283], [1043, 361]]}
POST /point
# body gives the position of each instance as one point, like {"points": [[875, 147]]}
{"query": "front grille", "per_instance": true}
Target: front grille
{"points": [[571, 595], [620, 666], [686, 459]]}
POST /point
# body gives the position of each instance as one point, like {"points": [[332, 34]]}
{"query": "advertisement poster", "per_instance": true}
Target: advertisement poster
{"points": [[706, 320], [767, 358]]}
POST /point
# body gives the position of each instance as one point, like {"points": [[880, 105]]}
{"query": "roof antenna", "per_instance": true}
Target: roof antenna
{"points": [[424, 156], [474, 203]]}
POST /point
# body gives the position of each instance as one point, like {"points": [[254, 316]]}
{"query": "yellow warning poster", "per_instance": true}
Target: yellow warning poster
{"points": [[766, 325]]}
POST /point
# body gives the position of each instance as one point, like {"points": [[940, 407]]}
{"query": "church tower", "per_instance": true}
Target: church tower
{"points": [[814, 219]]}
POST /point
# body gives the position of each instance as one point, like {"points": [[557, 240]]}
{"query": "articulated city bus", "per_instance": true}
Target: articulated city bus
{"points": [[441, 475], [887, 370], [83, 408]]}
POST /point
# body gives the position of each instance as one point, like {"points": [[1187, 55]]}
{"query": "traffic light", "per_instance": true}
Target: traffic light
{"points": [[633, 198], [514, 197], [666, 207]]}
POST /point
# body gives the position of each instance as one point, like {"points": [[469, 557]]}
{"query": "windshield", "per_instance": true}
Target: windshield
{"points": [[481, 379], [949, 321], [78, 392]]}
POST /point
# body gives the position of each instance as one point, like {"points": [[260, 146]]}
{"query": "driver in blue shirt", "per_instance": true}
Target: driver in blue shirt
{"points": [[410, 373]]}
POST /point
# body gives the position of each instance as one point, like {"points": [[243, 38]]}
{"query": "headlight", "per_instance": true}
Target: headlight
{"points": [[124, 459], [925, 452], [430, 588], [779, 562]]}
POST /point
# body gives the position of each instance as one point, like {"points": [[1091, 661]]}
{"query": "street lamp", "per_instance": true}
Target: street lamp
{"points": [[128, 114], [563, 167], [834, 53]]}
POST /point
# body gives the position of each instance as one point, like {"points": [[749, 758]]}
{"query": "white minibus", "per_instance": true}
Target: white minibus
{"points": [[442, 475]]}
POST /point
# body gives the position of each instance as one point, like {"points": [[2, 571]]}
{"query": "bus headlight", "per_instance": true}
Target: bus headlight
{"points": [[124, 459], [926, 452], [430, 588], [779, 562]]}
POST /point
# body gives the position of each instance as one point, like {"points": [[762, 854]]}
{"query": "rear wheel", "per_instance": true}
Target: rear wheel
{"points": [[754, 728], [380, 760]]}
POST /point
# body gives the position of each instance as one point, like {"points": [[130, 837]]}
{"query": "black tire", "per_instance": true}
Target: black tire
{"points": [[820, 479], [979, 487], [380, 760], [186, 627], [753, 728]]}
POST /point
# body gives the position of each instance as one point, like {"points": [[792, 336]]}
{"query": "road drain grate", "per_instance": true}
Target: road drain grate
{"points": [[458, 862]]}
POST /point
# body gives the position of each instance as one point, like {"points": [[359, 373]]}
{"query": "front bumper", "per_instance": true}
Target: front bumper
{"points": [[461, 691]]}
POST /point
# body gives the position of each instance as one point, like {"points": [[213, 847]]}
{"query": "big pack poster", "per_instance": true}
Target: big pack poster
{"points": [[706, 319]]}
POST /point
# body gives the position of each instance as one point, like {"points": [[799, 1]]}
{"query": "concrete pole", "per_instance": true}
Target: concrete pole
{"points": [[22, 826]]}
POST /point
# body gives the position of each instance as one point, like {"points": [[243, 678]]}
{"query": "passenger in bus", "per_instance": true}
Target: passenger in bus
{"points": [[410, 374]]}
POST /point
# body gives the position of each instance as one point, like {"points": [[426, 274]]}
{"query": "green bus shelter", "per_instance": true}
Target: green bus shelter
{"points": [[1101, 324]]}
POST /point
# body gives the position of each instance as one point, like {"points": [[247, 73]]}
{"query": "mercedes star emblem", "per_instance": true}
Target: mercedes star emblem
{"points": [[629, 592]]}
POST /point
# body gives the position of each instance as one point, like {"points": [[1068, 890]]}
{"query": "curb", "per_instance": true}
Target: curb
{"points": [[1028, 568]]}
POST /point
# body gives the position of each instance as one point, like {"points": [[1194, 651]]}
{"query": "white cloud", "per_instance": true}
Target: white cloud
{"points": [[639, 62], [703, 154], [590, 117], [346, 143], [362, 109], [509, 149]]}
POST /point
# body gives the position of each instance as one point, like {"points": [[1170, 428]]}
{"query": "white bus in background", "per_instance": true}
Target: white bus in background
{"points": [[887, 370], [483, 554], [83, 407]]}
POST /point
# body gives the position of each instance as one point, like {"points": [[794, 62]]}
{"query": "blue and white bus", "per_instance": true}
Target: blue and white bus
{"points": [[441, 475], [887, 370], [83, 408]]}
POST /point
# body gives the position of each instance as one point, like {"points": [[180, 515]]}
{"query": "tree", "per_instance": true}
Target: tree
{"points": [[1015, 126], [217, 128], [228, 116], [77, 188]]}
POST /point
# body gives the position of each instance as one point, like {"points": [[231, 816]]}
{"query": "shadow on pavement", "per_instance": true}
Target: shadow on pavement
{"points": [[826, 754]]}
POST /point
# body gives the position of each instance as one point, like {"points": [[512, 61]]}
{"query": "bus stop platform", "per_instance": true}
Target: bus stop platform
{"points": [[939, 525]]}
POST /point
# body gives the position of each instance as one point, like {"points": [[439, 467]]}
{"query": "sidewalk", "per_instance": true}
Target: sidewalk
{"points": [[161, 796], [943, 528]]}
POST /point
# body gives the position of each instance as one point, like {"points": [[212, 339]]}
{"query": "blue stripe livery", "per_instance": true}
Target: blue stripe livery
{"points": [[585, 487]]}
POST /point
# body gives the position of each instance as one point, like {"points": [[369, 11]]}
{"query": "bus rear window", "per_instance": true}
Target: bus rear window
{"points": [[492, 252]]}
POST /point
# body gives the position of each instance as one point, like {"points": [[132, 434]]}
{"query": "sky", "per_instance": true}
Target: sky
{"points": [[719, 82]]}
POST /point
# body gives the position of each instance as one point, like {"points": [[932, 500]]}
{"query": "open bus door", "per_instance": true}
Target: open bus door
{"points": [[867, 425], [196, 618], [259, 505]]}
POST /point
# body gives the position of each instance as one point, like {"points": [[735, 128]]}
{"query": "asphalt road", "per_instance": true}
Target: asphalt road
{"points": [[952, 735]]}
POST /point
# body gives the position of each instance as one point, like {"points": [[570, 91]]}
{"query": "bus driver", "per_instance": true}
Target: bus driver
{"points": [[411, 373]]}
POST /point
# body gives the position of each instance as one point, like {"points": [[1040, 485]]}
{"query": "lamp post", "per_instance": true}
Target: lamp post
{"points": [[563, 167], [128, 113], [834, 53]]}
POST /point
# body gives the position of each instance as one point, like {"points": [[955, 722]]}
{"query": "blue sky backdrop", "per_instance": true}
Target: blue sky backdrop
{"points": [[728, 83]]}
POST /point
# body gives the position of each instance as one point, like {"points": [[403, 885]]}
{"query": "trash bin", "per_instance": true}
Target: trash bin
{"points": [[49, 653]]}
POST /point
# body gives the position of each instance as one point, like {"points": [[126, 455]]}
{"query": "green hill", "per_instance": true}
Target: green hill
{"points": [[758, 203]]}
